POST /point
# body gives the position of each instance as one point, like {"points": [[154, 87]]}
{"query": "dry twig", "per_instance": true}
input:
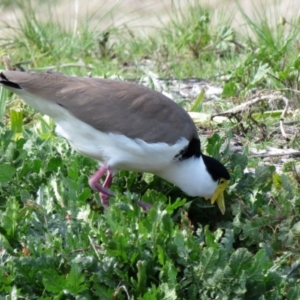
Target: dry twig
{"points": [[261, 97]]}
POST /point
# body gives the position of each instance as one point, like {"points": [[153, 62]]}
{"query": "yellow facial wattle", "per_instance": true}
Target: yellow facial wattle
{"points": [[218, 196]]}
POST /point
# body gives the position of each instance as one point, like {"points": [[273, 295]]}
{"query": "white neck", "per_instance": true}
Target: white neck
{"points": [[191, 177]]}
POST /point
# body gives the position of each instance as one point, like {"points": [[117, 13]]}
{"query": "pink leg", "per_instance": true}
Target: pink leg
{"points": [[104, 197], [104, 190], [96, 186], [145, 206]]}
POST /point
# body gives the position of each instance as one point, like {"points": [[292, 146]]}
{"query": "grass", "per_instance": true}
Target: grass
{"points": [[56, 242]]}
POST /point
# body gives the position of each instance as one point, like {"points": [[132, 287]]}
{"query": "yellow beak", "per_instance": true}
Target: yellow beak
{"points": [[218, 195]]}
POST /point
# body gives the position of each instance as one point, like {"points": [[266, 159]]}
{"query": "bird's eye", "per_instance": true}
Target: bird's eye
{"points": [[221, 181]]}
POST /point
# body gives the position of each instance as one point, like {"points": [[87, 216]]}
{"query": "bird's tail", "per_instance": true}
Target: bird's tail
{"points": [[6, 82]]}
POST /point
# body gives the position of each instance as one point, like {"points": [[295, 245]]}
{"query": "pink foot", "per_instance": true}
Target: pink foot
{"points": [[107, 183], [104, 190]]}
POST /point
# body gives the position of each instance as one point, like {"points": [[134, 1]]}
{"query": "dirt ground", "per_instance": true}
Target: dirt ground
{"points": [[145, 16]]}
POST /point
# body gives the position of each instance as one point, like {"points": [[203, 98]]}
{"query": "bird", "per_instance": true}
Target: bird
{"points": [[124, 126]]}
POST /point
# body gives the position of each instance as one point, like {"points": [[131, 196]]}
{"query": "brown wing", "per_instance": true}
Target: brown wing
{"points": [[112, 106]]}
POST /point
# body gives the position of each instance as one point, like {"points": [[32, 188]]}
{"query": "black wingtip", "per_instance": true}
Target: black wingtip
{"points": [[6, 82]]}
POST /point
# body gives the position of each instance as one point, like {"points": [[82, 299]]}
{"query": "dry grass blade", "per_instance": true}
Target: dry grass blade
{"points": [[270, 97], [7, 63]]}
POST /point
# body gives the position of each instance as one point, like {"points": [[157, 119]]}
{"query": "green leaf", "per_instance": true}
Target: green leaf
{"points": [[75, 282], [3, 99], [7, 173], [293, 293], [141, 276], [210, 238], [85, 194], [296, 230], [228, 240], [267, 114], [4, 244], [238, 159], [230, 89], [103, 292], [169, 273], [277, 180], [262, 174], [54, 163], [171, 207], [169, 292], [161, 255], [44, 127], [196, 107], [286, 184], [16, 120], [53, 282], [261, 73], [148, 177], [260, 263], [239, 261], [208, 261], [297, 63]]}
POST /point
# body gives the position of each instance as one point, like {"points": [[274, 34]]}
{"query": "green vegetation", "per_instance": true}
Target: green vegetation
{"points": [[56, 242]]}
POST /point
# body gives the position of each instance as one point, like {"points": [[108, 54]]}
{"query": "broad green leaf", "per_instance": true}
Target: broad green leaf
{"points": [[103, 292], [240, 261], [296, 230], [260, 263], [272, 279], [170, 272], [85, 194], [54, 163], [293, 293], [75, 282], [7, 173], [53, 282], [238, 159], [214, 144], [252, 230], [228, 240], [262, 174], [153, 293], [4, 244], [261, 73], [148, 177], [230, 89], [210, 238], [208, 263], [286, 184], [169, 292], [295, 269], [36, 165], [297, 63], [171, 207]]}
